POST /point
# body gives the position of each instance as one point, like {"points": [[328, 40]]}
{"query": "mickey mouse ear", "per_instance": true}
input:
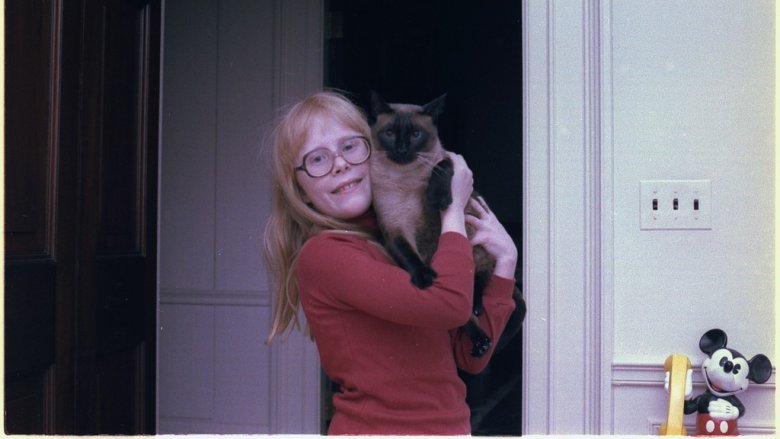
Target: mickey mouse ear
{"points": [[713, 340], [760, 369]]}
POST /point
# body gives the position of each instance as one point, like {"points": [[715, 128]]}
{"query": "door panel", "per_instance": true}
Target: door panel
{"points": [[30, 172], [81, 157], [29, 127]]}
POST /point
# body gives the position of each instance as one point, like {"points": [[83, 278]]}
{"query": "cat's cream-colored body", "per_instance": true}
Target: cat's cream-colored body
{"points": [[406, 152], [399, 191], [399, 198]]}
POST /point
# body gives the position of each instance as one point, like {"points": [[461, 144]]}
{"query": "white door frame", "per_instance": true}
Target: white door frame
{"points": [[298, 71], [567, 228]]}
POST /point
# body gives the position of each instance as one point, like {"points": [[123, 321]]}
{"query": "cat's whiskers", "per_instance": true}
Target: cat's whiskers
{"points": [[427, 158], [430, 158]]}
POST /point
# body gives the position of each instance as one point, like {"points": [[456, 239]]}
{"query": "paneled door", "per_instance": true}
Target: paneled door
{"points": [[80, 221]]}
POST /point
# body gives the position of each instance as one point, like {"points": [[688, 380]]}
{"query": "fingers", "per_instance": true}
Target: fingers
{"points": [[459, 164], [482, 203], [478, 205], [474, 221]]}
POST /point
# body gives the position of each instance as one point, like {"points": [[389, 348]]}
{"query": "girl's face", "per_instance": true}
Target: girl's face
{"points": [[344, 192]]}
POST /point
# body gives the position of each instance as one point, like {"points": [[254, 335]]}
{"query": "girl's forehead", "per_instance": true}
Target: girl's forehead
{"points": [[324, 129], [323, 124]]}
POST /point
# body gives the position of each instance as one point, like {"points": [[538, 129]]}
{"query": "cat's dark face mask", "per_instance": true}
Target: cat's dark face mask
{"points": [[402, 140]]}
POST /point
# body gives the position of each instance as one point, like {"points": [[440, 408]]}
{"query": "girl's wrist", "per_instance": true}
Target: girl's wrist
{"points": [[453, 220], [505, 267], [506, 262]]}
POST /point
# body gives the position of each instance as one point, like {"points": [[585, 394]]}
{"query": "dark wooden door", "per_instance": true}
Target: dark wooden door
{"points": [[80, 184]]}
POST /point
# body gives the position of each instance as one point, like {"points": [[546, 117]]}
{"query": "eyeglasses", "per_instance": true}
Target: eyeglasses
{"points": [[319, 162]]}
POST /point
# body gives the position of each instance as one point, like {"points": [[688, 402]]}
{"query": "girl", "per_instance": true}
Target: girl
{"points": [[392, 348]]}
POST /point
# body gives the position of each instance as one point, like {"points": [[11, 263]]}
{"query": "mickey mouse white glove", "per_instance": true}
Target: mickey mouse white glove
{"points": [[688, 382], [722, 409]]}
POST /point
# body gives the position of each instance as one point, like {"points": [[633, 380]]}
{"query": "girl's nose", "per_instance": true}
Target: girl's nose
{"points": [[340, 165]]}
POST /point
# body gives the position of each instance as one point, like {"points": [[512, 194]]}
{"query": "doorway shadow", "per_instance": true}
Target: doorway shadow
{"points": [[412, 51]]}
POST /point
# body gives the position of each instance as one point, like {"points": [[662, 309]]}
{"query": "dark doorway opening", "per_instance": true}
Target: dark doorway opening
{"points": [[413, 51]]}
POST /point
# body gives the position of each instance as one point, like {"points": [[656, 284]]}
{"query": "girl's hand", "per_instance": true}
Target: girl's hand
{"points": [[453, 217], [490, 234], [462, 185]]}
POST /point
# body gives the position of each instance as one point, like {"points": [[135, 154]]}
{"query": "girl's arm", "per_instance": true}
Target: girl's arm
{"points": [[497, 297], [497, 306], [343, 270]]}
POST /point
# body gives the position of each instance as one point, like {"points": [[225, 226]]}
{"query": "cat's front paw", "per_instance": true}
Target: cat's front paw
{"points": [[423, 277], [481, 343], [439, 192], [439, 201]]}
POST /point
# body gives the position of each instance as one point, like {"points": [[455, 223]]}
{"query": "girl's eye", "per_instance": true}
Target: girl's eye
{"points": [[317, 157], [348, 147]]}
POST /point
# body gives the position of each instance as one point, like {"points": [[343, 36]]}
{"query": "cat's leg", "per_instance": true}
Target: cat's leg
{"points": [[438, 194], [403, 253], [480, 341]]}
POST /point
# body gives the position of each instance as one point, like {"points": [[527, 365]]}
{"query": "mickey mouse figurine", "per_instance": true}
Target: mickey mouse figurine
{"points": [[726, 373]]}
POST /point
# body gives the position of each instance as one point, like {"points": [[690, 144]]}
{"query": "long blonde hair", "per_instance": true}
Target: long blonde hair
{"points": [[292, 221]]}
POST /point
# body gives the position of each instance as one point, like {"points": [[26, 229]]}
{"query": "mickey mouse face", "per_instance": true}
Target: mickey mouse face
{"points": [[726, 372]]}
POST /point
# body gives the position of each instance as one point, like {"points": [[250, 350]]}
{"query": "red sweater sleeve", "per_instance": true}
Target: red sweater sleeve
{"points": [[498, 306], [344, 269]]}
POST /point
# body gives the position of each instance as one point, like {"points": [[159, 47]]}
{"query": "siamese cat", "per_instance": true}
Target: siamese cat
{"points": [[410, 178]]}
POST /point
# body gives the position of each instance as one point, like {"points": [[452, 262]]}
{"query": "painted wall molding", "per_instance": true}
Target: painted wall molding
{"points": [[298, 70], [642, 375], [567, 229], [169, 296]]}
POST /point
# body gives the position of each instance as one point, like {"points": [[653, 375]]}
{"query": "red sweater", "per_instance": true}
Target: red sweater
{"points": [[394, 349]]}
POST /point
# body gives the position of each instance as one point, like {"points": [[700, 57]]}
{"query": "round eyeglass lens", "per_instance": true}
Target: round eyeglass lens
{"points": [[355, 151], [320, 161]]}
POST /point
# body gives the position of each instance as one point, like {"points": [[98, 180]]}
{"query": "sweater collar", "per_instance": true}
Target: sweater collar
{"points": [[366, 221]]}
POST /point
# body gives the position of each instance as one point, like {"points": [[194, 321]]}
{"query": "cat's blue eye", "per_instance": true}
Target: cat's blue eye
{"points": [[389, 133], [416, 134]]}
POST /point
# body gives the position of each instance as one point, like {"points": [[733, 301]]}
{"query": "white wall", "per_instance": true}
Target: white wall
{"points": [[696, 104], [617, 92], [692, 98], [214, 304], [228, 67]]}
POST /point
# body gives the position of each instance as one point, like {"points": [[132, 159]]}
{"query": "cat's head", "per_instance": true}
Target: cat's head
{"points": [[404, 131]]}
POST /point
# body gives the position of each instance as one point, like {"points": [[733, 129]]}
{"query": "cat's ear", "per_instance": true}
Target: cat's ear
{"points": [[378, 106], [435, 107]]}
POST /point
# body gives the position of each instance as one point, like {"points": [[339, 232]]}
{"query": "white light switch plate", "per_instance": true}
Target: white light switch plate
{"points": [[676, 204]]}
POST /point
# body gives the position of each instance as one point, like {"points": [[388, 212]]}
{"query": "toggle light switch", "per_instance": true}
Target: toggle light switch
{"points": [[675, 204]]}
